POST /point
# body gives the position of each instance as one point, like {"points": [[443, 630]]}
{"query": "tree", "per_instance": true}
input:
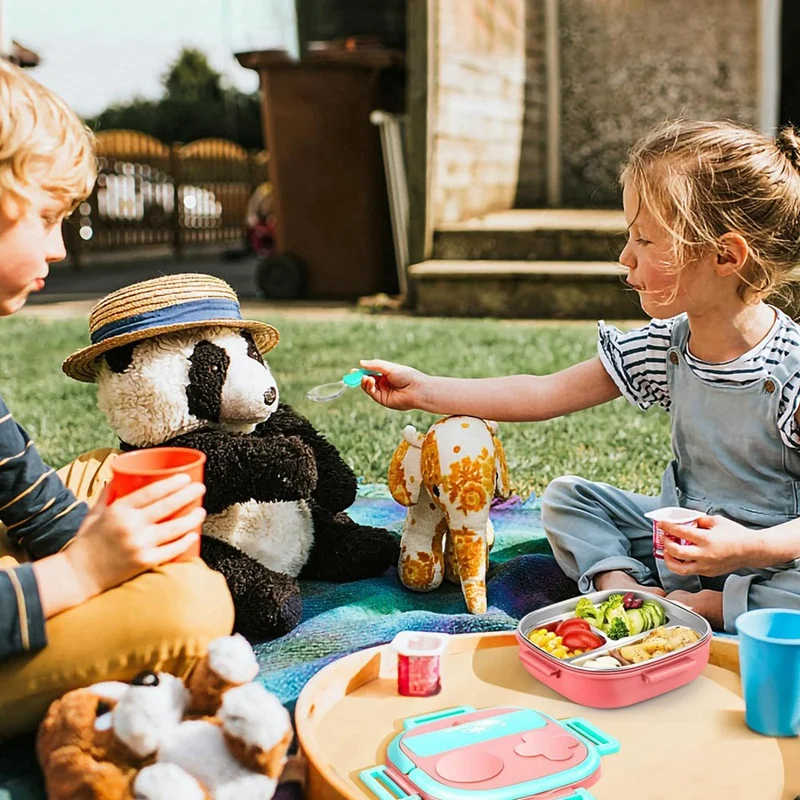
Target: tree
{"points": [[194, 105], [191, 79]]}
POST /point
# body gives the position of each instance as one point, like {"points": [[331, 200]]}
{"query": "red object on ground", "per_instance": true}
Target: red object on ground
{"points": [[138, 468]]}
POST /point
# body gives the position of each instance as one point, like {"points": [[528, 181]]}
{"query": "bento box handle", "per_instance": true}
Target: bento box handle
{"points": [[667, 671], [602, 742], [377, 781], [539, 666], [412, 722]]}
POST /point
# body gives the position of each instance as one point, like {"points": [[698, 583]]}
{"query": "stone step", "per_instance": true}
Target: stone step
{"points": [[523, 289], [550, 234]]}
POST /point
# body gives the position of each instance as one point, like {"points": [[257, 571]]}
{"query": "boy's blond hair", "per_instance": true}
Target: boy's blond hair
{"points": [[701, 180], [43, 143]]}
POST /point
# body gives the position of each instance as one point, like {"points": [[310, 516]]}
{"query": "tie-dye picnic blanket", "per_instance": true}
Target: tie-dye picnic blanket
{"points": [[341, 618]]}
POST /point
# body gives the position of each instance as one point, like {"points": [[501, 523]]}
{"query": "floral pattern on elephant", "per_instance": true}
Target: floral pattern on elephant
{"points": [[450, 475]]}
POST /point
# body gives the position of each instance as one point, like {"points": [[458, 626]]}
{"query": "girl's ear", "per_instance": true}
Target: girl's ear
{"points": [[732, 254]]}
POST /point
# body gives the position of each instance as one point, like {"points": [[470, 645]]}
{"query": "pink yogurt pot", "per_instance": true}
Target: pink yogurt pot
{"points": [[675, 514]]}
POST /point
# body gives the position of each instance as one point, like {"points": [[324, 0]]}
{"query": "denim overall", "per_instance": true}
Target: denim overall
{"points": [[729, 459]]}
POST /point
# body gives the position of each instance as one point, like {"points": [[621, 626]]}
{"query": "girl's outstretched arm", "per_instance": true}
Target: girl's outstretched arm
{"points": [[516, 398]]}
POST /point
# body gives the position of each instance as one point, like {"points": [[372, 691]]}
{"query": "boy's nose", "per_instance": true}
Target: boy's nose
{"points": [[56, 251]]}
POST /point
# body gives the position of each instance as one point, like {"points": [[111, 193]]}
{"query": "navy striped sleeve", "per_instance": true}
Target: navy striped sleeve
{"points": [[637, 361], [39, 512], [22, 623], [787, 413]]}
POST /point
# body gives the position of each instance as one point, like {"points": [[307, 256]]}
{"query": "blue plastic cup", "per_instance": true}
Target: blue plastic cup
{"points": [[769, 662]]}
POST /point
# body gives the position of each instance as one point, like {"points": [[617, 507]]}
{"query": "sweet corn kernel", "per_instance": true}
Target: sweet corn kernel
{"points": [[560, 652]]}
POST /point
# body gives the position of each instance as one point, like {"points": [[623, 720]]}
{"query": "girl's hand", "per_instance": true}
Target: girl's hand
{"points": [[397, 387], [718, 546], [117, 542]]}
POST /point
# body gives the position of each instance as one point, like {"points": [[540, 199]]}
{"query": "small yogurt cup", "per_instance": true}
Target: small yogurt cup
{"points": [[419, 662], [674, 514]]}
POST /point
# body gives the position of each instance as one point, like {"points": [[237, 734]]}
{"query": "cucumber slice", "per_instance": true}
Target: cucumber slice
{"points": [[637, 620], [655, 612]]}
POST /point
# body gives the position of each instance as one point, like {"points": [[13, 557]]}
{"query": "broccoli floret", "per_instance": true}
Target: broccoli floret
{"points": [[586, 609], [618, 629], [617, 624]]}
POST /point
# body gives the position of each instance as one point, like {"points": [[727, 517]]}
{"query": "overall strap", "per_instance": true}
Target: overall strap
{"points": [[788, 367], [680, 333]]}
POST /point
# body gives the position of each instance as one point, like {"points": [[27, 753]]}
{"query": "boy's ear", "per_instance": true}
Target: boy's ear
{"points": [[10, 208], [732, 254]]}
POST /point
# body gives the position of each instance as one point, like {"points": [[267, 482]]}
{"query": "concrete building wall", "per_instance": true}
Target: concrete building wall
{"points": [[478, 100], [532, 184], [628, 64]]}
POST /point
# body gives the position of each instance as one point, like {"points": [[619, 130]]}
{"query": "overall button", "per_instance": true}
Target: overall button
{"points": [[769, 387], [673, 357]]}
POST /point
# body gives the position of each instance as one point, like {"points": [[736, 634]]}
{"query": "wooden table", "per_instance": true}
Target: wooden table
{"points": [[689, 744]]}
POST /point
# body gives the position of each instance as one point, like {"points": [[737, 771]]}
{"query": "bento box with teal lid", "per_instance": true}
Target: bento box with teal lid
{"points": [[612, 649], [503, 753]]}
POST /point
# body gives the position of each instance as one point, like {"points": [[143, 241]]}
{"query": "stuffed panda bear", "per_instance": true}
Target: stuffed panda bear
{"points": [[276, 490]]}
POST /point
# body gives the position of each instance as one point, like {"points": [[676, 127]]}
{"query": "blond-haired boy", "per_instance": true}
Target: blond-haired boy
{"points": [[87, 595]]}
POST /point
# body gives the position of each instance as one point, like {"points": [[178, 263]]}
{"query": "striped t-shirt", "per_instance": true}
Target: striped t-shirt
{"points": [[637, 362], [40, 515]]}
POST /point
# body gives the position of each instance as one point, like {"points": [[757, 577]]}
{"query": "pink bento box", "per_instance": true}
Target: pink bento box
{"points": [[620, 686]]}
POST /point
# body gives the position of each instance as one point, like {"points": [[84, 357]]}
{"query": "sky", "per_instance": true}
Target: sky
{"points": [[97, 52]]}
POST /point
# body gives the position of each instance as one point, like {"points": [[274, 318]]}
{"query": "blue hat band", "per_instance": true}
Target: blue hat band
{"points": [[206, 310]]}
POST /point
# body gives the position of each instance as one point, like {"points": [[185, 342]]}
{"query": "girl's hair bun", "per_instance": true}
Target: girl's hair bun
{"points": [[788, 142]]}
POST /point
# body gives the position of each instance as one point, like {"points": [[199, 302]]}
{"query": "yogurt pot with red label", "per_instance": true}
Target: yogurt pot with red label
{"points": [[674, 514]]}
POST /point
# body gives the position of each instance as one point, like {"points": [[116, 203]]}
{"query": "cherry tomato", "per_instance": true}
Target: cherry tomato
{"points": [[581, 640], [572, 624]]}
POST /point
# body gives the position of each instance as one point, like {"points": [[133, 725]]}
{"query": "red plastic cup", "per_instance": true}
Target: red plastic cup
{"points": [[131, 471]]}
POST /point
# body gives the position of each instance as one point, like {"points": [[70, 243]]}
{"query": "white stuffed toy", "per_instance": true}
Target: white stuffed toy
{"points": [[218, 737]]}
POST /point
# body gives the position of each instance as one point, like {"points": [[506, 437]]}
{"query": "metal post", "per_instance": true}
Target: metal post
{"points": [[769, 62], [390, 127]]}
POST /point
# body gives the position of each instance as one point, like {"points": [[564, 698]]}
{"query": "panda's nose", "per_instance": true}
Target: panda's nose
{"points": [[270, 395]]}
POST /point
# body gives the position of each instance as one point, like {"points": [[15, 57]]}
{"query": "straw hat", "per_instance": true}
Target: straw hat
{"points": [[162, 305]]}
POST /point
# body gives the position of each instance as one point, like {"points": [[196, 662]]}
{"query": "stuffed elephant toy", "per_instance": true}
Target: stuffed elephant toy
{"points": [[447, 478]]}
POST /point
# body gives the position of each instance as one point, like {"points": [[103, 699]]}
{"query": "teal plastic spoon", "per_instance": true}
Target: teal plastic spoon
{"points": [[330, 391]]}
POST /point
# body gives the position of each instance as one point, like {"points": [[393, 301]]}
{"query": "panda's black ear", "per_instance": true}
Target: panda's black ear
{"points": [[252, 350], [120, 358]]}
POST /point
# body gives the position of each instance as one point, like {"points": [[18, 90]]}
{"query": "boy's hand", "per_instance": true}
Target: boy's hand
{"points": [[706, 603], [397, 387], [117, 542], [718, 546]]}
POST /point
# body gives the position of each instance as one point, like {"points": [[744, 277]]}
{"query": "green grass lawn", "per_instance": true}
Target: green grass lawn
{"points": [[615, 443]]}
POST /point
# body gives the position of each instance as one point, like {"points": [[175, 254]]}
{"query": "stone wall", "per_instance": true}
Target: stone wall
{"points": [[478, 96], [628, 64], [532, 185]]}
